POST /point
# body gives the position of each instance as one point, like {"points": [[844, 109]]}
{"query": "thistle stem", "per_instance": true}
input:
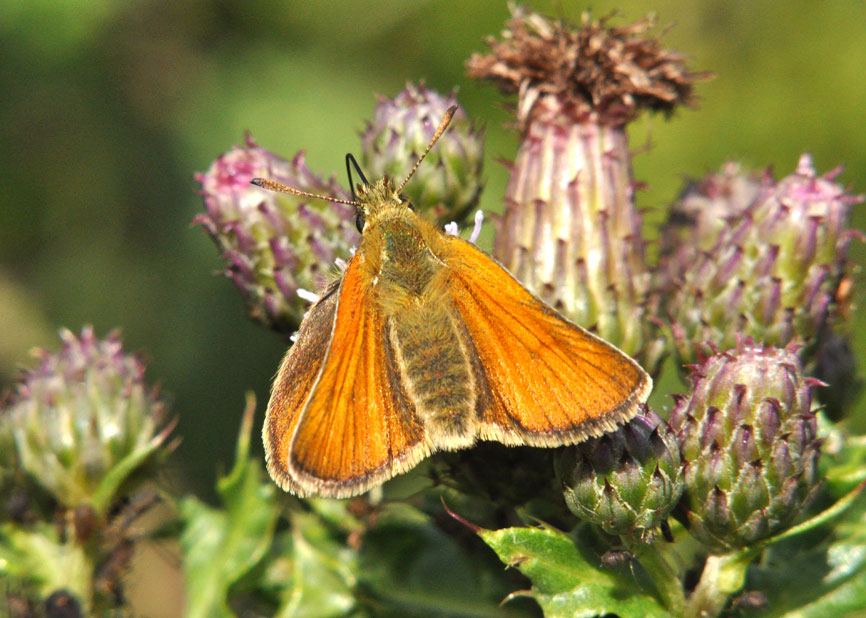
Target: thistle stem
{"points": [[723, 575], [664, 577]]}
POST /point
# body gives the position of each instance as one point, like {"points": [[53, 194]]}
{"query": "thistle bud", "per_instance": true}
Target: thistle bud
{"points": [[449, 183], [84, 421], [626, 481], [748, 442], [274, 244], [770, 271], [706, 207], [570, 231]]}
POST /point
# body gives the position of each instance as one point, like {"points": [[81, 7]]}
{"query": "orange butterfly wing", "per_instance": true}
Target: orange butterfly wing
{"points": [[543, 381], [356, 428]]}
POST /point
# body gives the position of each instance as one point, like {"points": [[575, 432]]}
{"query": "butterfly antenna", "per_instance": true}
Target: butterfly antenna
{"points": [[351, 160], [439, 131], [272, 185]]}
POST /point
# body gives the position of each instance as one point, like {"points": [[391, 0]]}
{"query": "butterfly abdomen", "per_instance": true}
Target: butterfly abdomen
{"points": [[435, 372]]}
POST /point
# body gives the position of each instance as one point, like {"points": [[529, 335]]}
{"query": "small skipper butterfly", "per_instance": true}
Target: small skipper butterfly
{"points": [[427, 344]]}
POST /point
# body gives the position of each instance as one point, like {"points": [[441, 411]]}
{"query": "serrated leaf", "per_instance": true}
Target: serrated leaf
{"points": [[221, 545], [564, 582]]}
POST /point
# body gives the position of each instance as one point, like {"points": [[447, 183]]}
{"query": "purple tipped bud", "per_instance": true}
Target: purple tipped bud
{"points": [[448, 183], [84, 421], [706, 207], [756, 466], [626, 481], [760, 259]]}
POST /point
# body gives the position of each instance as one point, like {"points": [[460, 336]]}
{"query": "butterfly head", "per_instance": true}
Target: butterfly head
{"points": [[376, 198]]}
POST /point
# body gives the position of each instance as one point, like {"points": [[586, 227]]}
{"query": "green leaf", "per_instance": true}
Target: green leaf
{"points": [[828, 578], [564, 581], [849, 599], [221, 545], [37, 555], [323, 571], [399, 563]]}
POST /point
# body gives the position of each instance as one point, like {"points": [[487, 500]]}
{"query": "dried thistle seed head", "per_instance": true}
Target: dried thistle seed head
{"points": [[85, 420], [596, 72], [449, 183], [748, 442], [274, 244], [626, 481]]}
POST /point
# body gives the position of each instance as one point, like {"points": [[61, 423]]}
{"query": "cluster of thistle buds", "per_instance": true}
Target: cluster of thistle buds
{"points": [[79, 436], [749, 283], [737, 461], [744, 259], [751, 257], [750, 295]]}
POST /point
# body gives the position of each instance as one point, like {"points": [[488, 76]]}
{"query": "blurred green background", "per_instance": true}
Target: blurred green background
{"points": [[109, 107]]}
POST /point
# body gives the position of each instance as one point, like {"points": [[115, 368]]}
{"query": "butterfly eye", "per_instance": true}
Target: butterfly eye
{"points": [[359, 221]]}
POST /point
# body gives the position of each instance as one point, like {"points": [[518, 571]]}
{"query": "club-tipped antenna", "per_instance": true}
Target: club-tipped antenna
{"points": [[354, 163], [272, 185], [439, 131]]}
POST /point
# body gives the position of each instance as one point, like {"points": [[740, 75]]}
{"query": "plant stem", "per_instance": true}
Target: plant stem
{"points": [[722, 576], [664, 577]]}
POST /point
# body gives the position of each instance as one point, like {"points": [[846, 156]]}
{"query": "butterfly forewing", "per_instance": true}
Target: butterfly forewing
{"points": [[543, 380], [357, 427]]}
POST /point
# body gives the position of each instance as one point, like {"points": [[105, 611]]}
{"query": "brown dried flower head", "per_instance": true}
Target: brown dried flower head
{"points": [[595, 69]]}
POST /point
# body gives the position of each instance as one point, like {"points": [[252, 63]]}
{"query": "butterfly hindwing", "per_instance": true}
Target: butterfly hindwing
{"points": [[294, 383], [543, 381]]}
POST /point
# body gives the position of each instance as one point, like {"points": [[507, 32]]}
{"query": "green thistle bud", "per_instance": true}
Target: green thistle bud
{"points": [[84, 421], [570, 231], [447, 186], [274, 244], [748, 442], [770, 271], [626, 481]]}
